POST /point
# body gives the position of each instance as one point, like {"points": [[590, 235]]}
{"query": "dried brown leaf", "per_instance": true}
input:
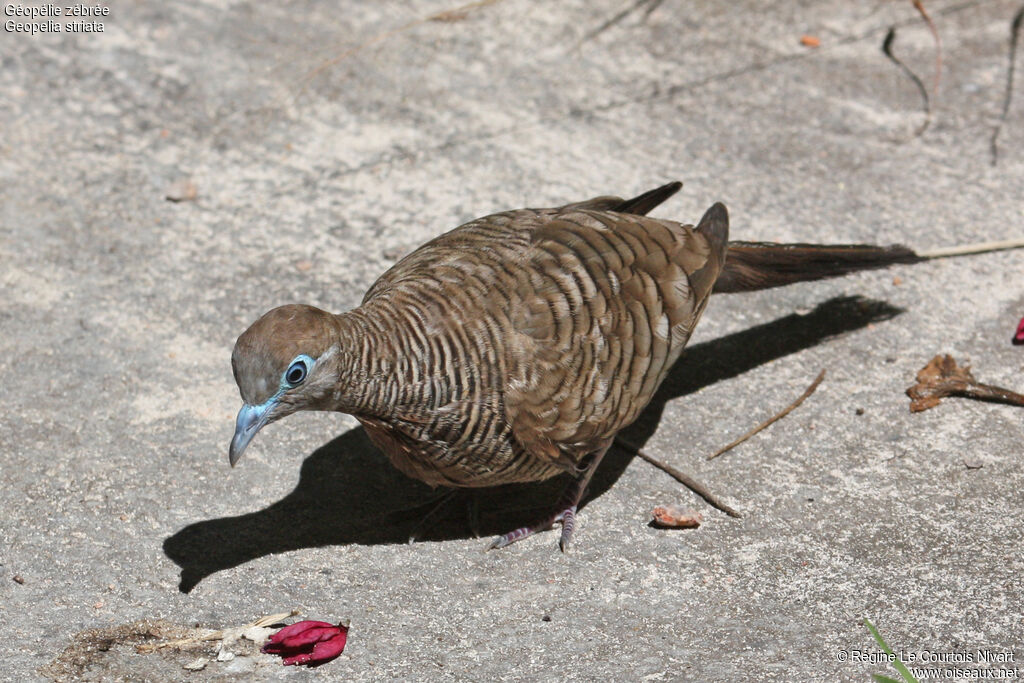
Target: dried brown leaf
{"points": [[942, 377]]}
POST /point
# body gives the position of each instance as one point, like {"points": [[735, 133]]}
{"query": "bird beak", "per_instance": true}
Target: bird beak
{"points": [[250, 420]]}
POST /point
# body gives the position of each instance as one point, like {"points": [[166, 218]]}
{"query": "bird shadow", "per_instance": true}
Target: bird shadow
{"points": [[348, 493]]}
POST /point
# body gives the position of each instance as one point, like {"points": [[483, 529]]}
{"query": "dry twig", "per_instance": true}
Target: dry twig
{"points": [[1015, 25], [786, 411], [683, 478], [651, 6], [919, 6], [890, 38], [887, 44]]}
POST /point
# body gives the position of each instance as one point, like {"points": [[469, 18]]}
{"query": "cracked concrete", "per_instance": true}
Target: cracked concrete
{"points": [[315, 165]]}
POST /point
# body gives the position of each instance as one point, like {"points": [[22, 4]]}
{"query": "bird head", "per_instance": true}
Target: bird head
{"points": [[282, 364]]}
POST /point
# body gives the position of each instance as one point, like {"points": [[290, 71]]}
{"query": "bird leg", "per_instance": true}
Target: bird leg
{"points": [[437, 503], [565, 510], [433, 505]]}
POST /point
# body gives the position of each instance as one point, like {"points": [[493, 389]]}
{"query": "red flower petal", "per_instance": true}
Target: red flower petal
{"points": [[297, 659], [308, 642], [309, 637], [1018, 338], [322, 652], [329, 649], [296, 628]]}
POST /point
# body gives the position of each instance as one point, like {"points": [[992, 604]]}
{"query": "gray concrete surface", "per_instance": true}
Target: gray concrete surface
{"points": [[316, 165]]}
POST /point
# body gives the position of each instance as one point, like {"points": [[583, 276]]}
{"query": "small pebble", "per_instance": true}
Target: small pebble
{"points": [[182, 191], [197, 665]]}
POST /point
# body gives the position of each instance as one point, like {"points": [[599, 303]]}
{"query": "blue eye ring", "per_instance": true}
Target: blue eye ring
{"points": [[298, 371]]}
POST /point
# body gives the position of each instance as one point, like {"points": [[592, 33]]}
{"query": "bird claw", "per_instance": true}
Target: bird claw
{"points": [[567, 517], [499, 542], [513, 536]]}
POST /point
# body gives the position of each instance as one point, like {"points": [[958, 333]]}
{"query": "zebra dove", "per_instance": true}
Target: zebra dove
{"points": [[515, 347]]}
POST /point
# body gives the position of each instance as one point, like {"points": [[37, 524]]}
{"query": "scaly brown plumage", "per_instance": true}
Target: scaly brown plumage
{"points": [[510, 349], [516, 346]]}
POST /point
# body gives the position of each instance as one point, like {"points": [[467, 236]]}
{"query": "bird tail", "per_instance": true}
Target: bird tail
{"points": [[751, 266], [643, 204]]}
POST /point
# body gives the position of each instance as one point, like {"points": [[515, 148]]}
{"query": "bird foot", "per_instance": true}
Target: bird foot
{"points": [[567, 506], [567, 517]]}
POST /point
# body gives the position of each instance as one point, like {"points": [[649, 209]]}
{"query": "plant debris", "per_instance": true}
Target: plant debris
{"points": [[256, 631], [919, 6], [890, 38], [98, 653], [89, 648], [652, 5], [683, 478], [778, 416], [675, 517], [1015, 25], [810, 41], [942, 377], [308, 642], [887, 44]]}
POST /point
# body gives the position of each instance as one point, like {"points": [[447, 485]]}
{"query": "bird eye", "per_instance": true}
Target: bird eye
{"points": [[296, 372]]}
